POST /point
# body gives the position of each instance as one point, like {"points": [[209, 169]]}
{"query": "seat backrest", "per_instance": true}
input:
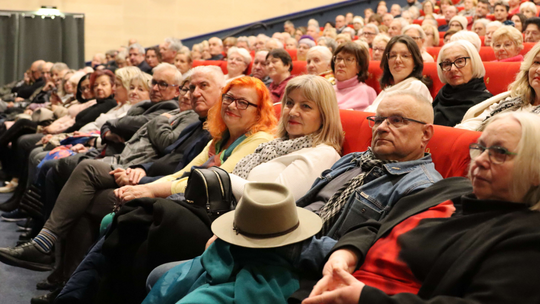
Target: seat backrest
{"points": [[293, 55], [374, 74], [299, 68]]}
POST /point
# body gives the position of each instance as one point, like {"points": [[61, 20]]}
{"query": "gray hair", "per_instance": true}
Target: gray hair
{"points": [[167, 66], [313, 22], [472, 37], [330, 43], [478, 69], [526, 170], [137, 47], [59, 67], [373, 27], [279, 43], [484, 21], [174, 44], [402, 21], [212, 71], [324, 51], [242, 52], [289, 22], [494, 23], [220, 42], [415, 27], [243, 39], [419, 98]]}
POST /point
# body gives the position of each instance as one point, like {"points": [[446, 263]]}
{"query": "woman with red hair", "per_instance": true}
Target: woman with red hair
{"points": [[243, 120]]}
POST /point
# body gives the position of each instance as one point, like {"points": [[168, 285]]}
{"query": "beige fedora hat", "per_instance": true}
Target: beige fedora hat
{"points": [[266, 217]]}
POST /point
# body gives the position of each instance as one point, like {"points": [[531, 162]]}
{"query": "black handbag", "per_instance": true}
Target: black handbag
{"points": [[210, 188]]}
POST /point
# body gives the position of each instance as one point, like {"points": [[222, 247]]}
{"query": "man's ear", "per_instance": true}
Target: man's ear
{"points": [[427, 132], [177, 91]]}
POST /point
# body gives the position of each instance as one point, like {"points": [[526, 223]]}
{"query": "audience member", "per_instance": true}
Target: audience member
{"points": [[313, 31], [429, 10], [300, 31], [396, 27], [288, 27], [432, 35], [279, 67], [411, 3], [243, 43], [327, 42], [291, 44], [468, 36], [216, 48], [407, 16], [273, 43], [458, 23], [258, 69], [507, 42], [395, 11], [136, 58], [453, 227], [387, 19], [501, 12], [238, 61], [448, 35], [480, 26], [379, 45], [449, 13], [168, 49], [402, 66], [319, 60], [358, 24], [369, 32], [518, 19], [491, 28], [183, 61], [340, 24], [523, 96], [460, 68], [152, 57], [342, 38], [303, 47], [469, 8], [350, 64], [417, 33], [532, 30], [482, 9], [527, 8]]}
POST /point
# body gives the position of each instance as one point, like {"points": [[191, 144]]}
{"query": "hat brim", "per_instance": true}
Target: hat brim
{"points": [[310, 224]]}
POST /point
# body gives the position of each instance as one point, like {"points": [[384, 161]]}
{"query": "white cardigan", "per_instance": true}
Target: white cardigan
{"points": [[409, 84], [297, 170]]}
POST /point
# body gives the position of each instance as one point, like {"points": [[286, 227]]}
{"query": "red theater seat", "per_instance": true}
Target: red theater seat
{"points": [[374, 74], [299, 68], [292, 53]]}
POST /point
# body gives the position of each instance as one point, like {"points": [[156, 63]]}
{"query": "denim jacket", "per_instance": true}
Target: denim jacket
{"points": [[382, 188]]}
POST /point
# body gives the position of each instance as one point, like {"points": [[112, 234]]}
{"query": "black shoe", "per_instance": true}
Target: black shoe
{"points": [[14, 216], [11, 204], [46, 298], [27, 256], [49, 284]]}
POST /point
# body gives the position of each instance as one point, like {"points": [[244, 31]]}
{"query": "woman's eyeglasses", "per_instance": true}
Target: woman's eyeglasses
{"points": [[497, 154], [241, 104], [459, 63]]}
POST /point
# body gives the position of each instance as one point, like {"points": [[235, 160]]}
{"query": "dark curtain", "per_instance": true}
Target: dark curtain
{"points": [[8, 43], [27, 37]]}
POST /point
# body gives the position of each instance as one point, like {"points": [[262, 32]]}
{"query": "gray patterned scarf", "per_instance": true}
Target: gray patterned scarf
{"points": [[267, 151], [507, 105], [330, 211]]}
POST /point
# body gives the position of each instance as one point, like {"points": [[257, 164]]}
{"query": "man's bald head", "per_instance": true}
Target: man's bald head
{"points": [[36, 69], [406, 136]]}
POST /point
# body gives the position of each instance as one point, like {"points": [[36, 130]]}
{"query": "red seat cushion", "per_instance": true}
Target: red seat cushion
{"points": [[299, 68], [499, 75], [292, 53]]}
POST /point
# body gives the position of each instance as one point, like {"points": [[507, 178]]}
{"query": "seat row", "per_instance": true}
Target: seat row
{"points": [[498, 74]]}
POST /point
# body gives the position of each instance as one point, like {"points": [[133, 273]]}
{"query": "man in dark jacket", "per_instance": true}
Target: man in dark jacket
{"points": [[136, 57]]}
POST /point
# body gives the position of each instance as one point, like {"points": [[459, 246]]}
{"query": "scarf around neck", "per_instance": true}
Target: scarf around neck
{"points": [[330, 211], [451, 103], [265, 152]]}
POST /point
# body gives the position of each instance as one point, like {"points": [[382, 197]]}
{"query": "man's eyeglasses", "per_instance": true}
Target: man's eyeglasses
{"points": [[162, 85], [459, 63], [394, 120], [497, 154], [241, 104]]}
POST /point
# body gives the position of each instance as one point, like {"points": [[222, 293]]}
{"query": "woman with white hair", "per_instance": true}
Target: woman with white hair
{"points": [[469, 36], [327, 42], [458, 23], [358, 24], [238, 60], [379, 44], [528, 9], [416, 32], [303, 47], [478, 243], [480, 26], [507, 42], [460, 68], [523, 95], [319, 60], [490, 29]]}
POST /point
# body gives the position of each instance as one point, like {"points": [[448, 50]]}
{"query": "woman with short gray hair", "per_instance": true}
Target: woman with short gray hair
{"points": [[238, 61]]}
